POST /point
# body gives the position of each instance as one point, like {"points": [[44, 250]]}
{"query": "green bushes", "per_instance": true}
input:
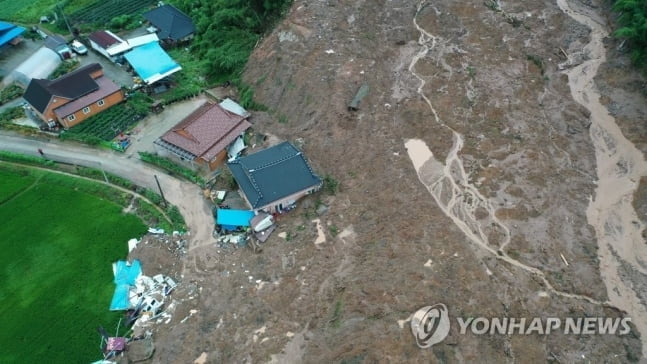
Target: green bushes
{"points": [[632, 21], [11, 113], [330, 185], [171, 167], [10, 92], [25, 159], [65, 67]]}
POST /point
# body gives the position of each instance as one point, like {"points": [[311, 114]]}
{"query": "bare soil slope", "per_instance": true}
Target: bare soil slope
{"points": [[438, 72]]}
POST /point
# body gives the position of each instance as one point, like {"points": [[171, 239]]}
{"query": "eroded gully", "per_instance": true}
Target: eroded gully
{"points": [[610, 213]]}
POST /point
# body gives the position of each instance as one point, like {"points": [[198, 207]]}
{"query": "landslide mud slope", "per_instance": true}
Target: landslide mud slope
{"points": [[486, 211]]}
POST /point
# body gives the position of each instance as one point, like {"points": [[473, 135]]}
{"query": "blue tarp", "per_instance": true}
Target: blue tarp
{"points": [[231, 219], [151, 62], [8, 32], [125, 276]]}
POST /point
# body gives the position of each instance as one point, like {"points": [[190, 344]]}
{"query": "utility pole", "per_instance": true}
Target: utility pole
{"points": [[160, 188], [58, 5], [104, 173]]}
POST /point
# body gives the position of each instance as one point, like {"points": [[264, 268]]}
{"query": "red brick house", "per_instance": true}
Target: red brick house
{"points": [[73, 97]]}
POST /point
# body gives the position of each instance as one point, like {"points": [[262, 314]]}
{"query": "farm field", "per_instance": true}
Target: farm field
{"points": [[58, 245], [30, 11], [104, 126]]}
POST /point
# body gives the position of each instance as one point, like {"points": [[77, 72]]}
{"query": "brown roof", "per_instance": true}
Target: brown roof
{"points": [[103, 39], [206, 131], [106, 88]]}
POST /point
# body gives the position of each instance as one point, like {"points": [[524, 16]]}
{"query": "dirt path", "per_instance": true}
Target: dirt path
{"points": [[620, 165], [185, 195]]}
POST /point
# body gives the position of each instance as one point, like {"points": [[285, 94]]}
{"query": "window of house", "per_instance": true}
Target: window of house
{"points": [[86, 109], [101, 102], [71, 117]]}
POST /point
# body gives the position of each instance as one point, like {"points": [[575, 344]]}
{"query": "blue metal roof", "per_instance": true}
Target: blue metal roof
{"points": [[151, 62], [8, 32], [233, 218]]}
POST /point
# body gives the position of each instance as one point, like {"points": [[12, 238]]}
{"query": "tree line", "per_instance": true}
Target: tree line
{"points": [[632, 26], [227, 31]]}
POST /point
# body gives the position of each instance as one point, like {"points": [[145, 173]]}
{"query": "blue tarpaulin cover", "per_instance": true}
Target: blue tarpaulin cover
{"points": [[231, 219], [151, 62], [125, 276]]}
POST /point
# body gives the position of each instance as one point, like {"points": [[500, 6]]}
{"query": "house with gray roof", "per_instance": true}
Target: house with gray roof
{"points": [[171, 24], [273, 179]]}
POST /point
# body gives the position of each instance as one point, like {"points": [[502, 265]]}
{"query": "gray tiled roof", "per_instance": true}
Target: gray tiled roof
{"points": [[273, 174]]}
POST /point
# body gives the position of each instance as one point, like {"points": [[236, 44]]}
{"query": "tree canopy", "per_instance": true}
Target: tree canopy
{"points": [[227, 30], [632, 22]]}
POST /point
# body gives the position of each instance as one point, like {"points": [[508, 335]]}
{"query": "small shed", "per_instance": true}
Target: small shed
{"points": [[230, 220]]}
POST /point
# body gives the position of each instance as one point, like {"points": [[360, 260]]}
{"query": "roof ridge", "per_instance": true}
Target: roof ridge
{"points": [[252, 180], [279, 161]]}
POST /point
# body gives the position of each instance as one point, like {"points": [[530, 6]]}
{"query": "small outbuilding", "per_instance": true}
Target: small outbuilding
{"points": [[151, 62], [39, 65], [10, 33]]}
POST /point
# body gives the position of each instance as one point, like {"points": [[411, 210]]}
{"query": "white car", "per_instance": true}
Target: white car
{"points": [[78, 47]]}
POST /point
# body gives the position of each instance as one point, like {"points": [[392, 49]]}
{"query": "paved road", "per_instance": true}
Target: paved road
{"points": [[186, 196]]}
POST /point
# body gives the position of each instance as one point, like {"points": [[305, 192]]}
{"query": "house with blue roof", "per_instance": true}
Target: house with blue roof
{"points": [[10, 33], [272, 180]]}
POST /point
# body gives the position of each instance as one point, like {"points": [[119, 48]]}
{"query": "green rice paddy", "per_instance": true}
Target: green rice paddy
{"points": [[57, 244]]}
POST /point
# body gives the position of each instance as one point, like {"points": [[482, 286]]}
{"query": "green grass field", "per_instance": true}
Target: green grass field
{"points": [[30, 11], [56, 277]]}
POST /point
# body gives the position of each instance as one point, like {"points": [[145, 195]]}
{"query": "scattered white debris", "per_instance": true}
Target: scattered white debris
{"points": [[283, 235], [202, 359], [488, 271], [132, 244], [330, 51], [564, 259], [542, 294], [261, 330], [456, 254], [321, 237], [264, 339], [303, 267], [155, 231], [428, 264], [402, 322], [191, 313], [289, 334]]}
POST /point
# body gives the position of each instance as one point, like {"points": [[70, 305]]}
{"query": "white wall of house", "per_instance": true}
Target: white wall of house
{"points": [[276, 206], [99, 49]]}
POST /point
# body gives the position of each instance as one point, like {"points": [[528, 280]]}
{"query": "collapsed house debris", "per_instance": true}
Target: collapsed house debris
{"points": [[237, 227]]}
